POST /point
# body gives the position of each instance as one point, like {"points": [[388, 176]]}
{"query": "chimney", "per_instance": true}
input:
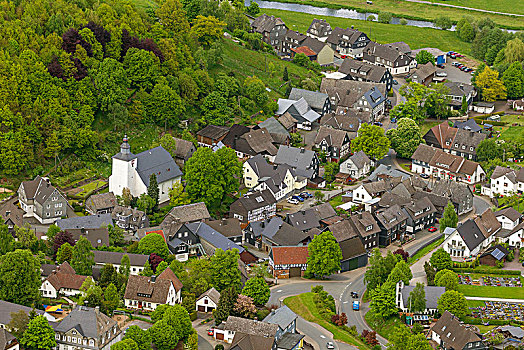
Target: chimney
{"points": [[152, 279], [224, 221]]}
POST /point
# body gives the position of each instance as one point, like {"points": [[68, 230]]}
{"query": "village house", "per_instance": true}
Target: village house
{"points": [[304, 162], [458, 92], [509, 218], [392, 223], [368, 191], [136, 261], [468, 125], [319, 29], [102, 203], [134, 171], [456, 141], [315, 50], [8, 341], [12, 215], [41, 200], [437, 163], [504, 181], [7, 309], [62, 281], [146, 293], [254, 207], [433, 293], [348, 42], [292, 40], [367, 228], [129, 219], [363, 71], [274, 232], [87, 328], [387, 56], [424, 74], [493, 255], [459, 194], [254, 142], [288, 122], [357, 166], [92, 227], [307, 219], [228, 227], [211, 135], [421, 214], [288, 262], [208, 301], [354, 254], [227, 330], [273, 30], [349, 122], [335, 143], [286, 320], [278, 132], [450, 333], [483, 107], [318, 101], [183, 151], [299, 110]]}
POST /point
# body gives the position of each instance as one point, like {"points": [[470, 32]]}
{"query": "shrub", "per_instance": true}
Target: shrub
{"points": [[487, 271], [219, 347], [403, 21]]}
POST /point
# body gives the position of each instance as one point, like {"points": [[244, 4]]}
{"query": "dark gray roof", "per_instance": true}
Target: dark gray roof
{"points": [[458, 89], [423, 72], [7, 340], [387, 170], [47, 269], [101, 201], [391, 216], [304, 219], [314, 98], [321, 27], [274, 127], [471, 234], [360, 159], [470, 125], [299, 159], [374, 97], [229, 227], [188, 213], [510, 213], [6, 308], [260, 166], [103, 257], [515, 332], [157, 161], [363, 70], [85, 222], [281, 233], [283, 317], [498, 252], [454, 334], [455, 191], [349, 122], [39, 189], [265, 23], [432, 295], [252, 327], [255, 200], [289, 341], [184, 148], [89, 322], [389, 52], [216, 239], [213, 131]]}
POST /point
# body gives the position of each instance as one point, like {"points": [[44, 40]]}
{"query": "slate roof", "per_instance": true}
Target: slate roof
{"points": [[301, 106], [360, 159], [433, 293], [229, 227], [424, 71], [321, 26], [242, 341], [287, 120], [289, 255], [333, 137], [387, 171], [510, 213], [337, 34], [85, 222], [101, 201], [349, 122], [283, 317], [372, 72], [459, 89], [419, 206], [216, 239], [352, 248], [299, 159], [274, 127], [343, 230], [346, 93], [256, 141], [324, 211], [188, 213], [500, 171], [7, 308], [7, 340], [265, 23], [157, 161], [89, 322], [455, 191], [10, 211], [103, 257], [251, 201], [389, 52], [235, 131], [391, 216], [38, 189], [454, 334], [183, 148], [47, 269], [143, 285], [289, 341], [252, 327], [281, 233], [365, 224], [304, 219], [469, 125], [212, 294], [488, 223], [314, 98], [402, 46], [470, 234]]}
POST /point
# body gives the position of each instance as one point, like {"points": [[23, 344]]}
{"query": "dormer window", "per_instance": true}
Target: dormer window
{"points": [[369, 227]]}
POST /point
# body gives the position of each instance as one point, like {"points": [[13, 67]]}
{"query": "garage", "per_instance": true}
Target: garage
{"points": [[295, 272], [219, 336], [201, 308]]}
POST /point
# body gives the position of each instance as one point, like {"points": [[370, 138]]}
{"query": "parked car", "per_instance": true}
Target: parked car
{"points": [[292, 201], [210, 331], [306, 195], [356, 305], [441, 66], [432, 229], [378, 123], [354, 295], [441, 74], [298, 198], [330, 345], [424, 176], [395, 82]]}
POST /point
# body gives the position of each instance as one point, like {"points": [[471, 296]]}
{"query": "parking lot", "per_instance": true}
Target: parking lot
{"points": [[455, 74]]}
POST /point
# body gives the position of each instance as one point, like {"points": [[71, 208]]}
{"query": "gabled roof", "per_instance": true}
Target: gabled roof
{"points": [[346, 93], [459, 89], [304, 219], [469, 125], [213, 132], [299, 159], [156, 161], [85, 222], [363, 70], [360, 159], [343, 230], [258, 141], [352, 248], [281, 233], [274, 127], [304, 50], [501, 171], [103, 257], [438, 158], [289, 255], [339, 35], [7, 340], [389, 52], [39, 189], [216, 239], [252, 327], [229, 227], [7, 308], [321, 27], [212, 294], [10, 211], [498, 252], [183, 148], [256, 200], [453, 334], [424, 71], [151, 289], [169, 275], [265, 23], [235, 131], [101, 201], [287, 120], [242, 341], [348, 122], [470, 234], [333, 137], [433, 293], [314, 98], [61, 280], [488, 223], [283, 317], [364, 223], [391, 216], [510, 213], [188, 213], [89, 322]]}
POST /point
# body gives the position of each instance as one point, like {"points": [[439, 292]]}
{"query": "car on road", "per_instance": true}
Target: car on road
{"points": [[378, 123], [305, 195], [395, 82], [432, 229], [210, 331], [424, 176], [393, 120], [330, 345], [354, 295], [292, 201], [298, 198], [356, 305], [441, 66], [441, 74]]}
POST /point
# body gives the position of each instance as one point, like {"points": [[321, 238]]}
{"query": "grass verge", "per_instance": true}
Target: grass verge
{"points": [[304, 306], [475, 303], [425, 250], [492, 292], [336, 201], [383, 327]]}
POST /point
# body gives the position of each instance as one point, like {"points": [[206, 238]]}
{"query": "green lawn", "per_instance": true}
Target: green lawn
{"points": [[416, 37], [492, 292], [424, 128], [484, 329], [475, 303], [336, 201], [508, 6], [304, 306], [381, 326], [425, 250], [86, 189]]}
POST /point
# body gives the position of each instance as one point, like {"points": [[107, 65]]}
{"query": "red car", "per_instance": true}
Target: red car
{"points": [[210, 332], [432, 229]]}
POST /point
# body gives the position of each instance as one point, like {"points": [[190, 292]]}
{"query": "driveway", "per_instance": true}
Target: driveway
{"points": [[480, 204]]}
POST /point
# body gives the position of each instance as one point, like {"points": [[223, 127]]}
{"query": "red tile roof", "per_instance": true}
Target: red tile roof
{"points": [[305, 50], [289, 255]]}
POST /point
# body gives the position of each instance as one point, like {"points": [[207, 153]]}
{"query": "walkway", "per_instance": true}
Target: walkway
{"points": [[496, 299], [465, 8]]}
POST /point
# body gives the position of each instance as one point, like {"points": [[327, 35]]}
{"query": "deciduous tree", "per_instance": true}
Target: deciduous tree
{"points": [[449, 218], [226, 303], [177, 196], [258, 290], [178, 318], [163, 335], [224, 269], [65, 253], [417, 298], [491, 87], [83, 257], [401, 272], [441, 260], [424, 57], [18, 323], [39, 335], [126, 344], [447, 278], [454, 302], [372, 141], [324, 255], [6, 240], [383, 300], [20, 277], [207, 29], [513, 79], [488, 149], [153, 243], [139, 336], [405, 138], [244, 307]]}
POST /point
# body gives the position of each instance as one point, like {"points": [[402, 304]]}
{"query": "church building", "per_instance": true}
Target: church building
{"points": [[133, 171]]}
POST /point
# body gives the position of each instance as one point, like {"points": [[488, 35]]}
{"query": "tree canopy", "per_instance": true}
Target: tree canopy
{"points": [[153, 243], [372, 141], [441, 260], [405, 138], [449, 218], [20, 277], [324, 255], [454, 302]]}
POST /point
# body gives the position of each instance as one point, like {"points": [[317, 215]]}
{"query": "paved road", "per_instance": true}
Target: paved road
{"points": [[465, 8], [203, 344], [480, 204]]}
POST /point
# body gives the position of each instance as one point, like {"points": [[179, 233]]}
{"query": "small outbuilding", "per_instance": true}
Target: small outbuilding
{"points": [[493, 255], [208, 301]]}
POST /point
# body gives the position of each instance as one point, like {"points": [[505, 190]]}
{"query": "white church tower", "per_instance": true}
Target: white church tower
{"points": [[123, 170]]}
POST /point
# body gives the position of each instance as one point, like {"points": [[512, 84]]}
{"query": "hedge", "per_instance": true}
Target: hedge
{"points": [[487, 271]]}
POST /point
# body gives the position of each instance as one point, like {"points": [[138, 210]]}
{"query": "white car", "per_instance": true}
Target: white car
{"points": [[330, 345], [292, 201]]}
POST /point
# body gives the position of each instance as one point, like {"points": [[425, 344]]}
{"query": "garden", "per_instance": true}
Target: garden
{"points": [[493, 310]]}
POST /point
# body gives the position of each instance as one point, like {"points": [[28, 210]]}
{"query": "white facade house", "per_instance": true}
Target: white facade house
{"points": [[509, 218], [357, 166], [433, 293], [136, 261], [361, 195], [133, 171], [208, 301], [63, 281], [504, 182]]}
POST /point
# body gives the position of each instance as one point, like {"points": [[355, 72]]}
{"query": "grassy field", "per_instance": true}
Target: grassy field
{"points": [[475, 303], [507, 6], [492, 292], [381, 326], [304, 306], [484, 329], [425, 250], [424, 128], [383, 33]]}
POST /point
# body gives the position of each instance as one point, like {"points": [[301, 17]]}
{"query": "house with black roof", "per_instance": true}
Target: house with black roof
{"points": [[41, 200], [421, 214], [254, 206], [388, 56], [363, 71], [272, 29], [465, 241], [348, 42], [319, 29], [318, 101], [433, 293], [134, 171], [392, 223], [304, 162], [493, 255]]}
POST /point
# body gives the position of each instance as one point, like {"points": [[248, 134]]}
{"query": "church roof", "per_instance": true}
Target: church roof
{"points": [[157, 161]]}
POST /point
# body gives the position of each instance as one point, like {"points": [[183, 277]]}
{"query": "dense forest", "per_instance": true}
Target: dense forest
{"points": [[76, 75]]}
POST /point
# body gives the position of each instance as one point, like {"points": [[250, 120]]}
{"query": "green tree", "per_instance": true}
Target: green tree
{"points": [[126, 344], [441, 260], [224, 270], [256, 90], [65, 253], [111, 298], [116, 235], [39, 335], [449, 218], [26, 236], [125, 266], [153, 243], [513, 79], [417, 298], [488, 149], [253, 9], [331, 169], [139, 336], [142, 68], [424, 57], [6, 240], [167, 141], [376, 271], [83, 257], [207, 29], [405, 138], [112, 83], [164, 105], [454, 302], [18, 323], [447, 278], [257, 289], [177, 196], [443, 22], [226, 303], [178, 318], [147, 271], [437, 101], [152, 189], [163, 335], [514, 51], [285, 74], [19, 277], [383, 300], [401, 272], [372, 141], [491, 87], [173, 17], [145, 203], [324, 255], [402, 338], [465, 30], [384, 17], [216, 109]]}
